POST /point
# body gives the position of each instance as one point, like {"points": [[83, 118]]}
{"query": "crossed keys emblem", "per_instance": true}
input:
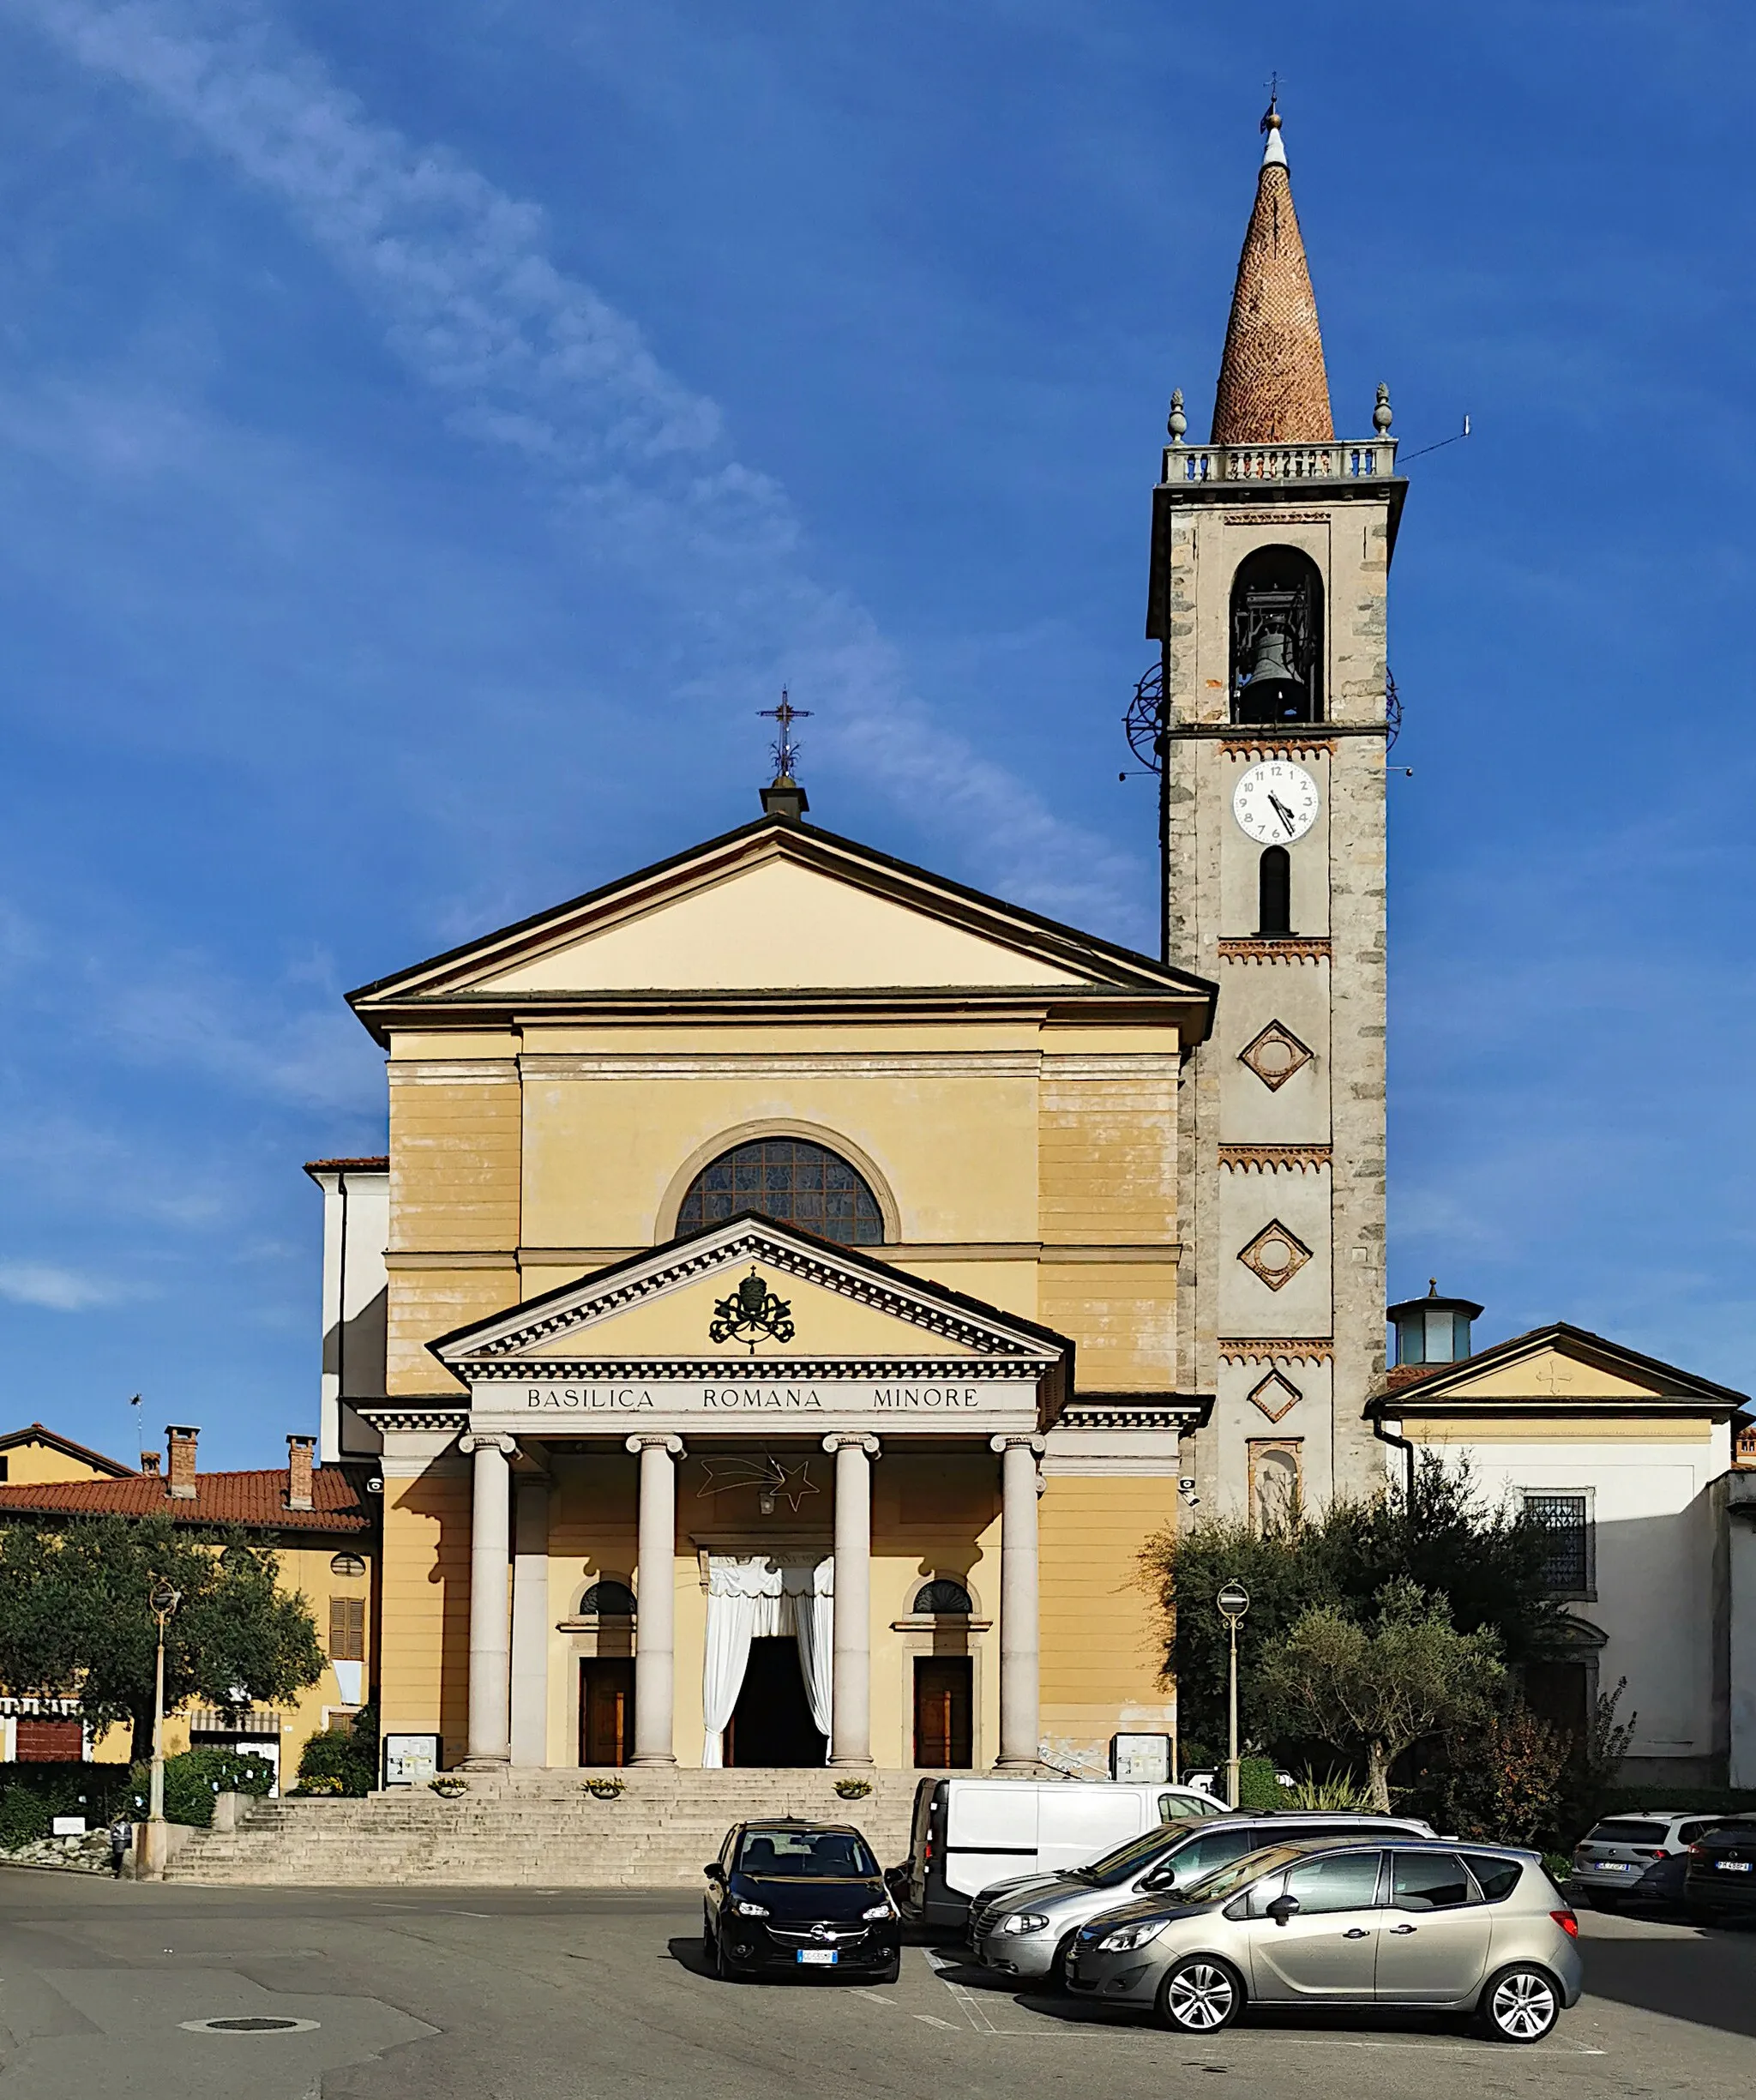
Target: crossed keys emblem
{"points": [[751, 1314]]}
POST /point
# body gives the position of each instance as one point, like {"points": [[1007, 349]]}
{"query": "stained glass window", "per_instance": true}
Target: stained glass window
{"points": [[790, 1179]]}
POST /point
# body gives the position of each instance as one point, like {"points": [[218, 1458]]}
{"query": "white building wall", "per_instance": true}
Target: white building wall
{"points": [[1654, 1545]]}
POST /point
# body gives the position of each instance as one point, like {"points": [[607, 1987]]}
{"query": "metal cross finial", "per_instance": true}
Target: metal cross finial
{"points": [[786, 752], [1271, 115]]}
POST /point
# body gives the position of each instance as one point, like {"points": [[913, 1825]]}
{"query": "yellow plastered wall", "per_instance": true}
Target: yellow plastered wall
{"points": [[1102, 1641], [33, 1459], [456, 1144], [423, 1666]]}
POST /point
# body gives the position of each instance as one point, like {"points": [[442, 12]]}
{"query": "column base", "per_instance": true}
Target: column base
{"points": [[851, 1764], [660, 1758], [1019, 1764], [497, 1762]]}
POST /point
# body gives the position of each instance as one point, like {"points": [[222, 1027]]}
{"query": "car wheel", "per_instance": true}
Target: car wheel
{"points": [[722, 1968], [1199, 1996], [706, 1936], [1521, 2004], [893, 1973], [1057, 1968], [1698, 1914]]}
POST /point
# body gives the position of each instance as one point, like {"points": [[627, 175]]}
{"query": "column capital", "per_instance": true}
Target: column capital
{"points": [[473, 1441], [852, 1439], [672, 1444], [1001, 1444]]}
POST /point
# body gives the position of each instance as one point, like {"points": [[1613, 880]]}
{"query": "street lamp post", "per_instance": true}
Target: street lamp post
{"points": [[1233, 1601], [163, 1602]]}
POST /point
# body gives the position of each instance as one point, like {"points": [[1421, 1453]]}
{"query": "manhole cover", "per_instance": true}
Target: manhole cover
{"points": [[248, 2026]]}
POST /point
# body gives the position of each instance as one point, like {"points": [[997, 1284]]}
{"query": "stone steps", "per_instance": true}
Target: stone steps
{"points": [[534, 1827]]}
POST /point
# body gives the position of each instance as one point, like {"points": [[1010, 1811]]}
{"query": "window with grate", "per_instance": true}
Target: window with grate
{"points": [[347, 1629], [607, 1600], [941, 1595], [788, 1179], [1567, 1570], [347, 1565]]}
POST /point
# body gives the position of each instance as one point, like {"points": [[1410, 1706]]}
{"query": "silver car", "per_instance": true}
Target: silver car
{"points": [[1450, 1927], [1024, 1927]]}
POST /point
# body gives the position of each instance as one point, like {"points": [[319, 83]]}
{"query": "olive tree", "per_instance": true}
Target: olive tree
{"points": [[1372, 1690]]}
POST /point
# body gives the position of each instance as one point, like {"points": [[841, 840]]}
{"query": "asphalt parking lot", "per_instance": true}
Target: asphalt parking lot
{"points": [[500, 1995]]}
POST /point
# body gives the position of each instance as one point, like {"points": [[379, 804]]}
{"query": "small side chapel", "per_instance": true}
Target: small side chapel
{"points": [[782, 1351]]}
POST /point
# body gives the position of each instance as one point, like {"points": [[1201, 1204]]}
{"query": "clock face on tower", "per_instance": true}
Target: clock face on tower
{"points": [[1275, 802]]}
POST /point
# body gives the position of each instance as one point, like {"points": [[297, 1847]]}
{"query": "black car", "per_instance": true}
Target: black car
{"points": [[1719, 1881], [801, 1898]]}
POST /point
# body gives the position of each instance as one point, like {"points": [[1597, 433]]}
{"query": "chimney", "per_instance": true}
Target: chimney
{"points": [[182, 1443], [299, 1471], [149, 1463]]}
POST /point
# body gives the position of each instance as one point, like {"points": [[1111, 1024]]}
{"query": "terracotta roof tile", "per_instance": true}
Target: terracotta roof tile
{"points": [[257, 1500], [1401, 1374], [1273, 385]]}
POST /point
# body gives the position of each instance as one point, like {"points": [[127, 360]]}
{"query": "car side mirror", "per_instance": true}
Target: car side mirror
{"points": [[714, 1871], [1283, 1908], [1160, 1877]]}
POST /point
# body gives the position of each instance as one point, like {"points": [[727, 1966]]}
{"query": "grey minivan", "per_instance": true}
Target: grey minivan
{"points": [[1024, 1927], [1445, 1925]]}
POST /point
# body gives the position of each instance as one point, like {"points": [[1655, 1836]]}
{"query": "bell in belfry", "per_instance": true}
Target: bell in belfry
{"points": [[1272, 678]]}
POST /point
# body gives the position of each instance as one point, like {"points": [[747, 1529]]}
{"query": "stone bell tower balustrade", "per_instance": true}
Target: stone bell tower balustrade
{"points": [[1372, 459]]}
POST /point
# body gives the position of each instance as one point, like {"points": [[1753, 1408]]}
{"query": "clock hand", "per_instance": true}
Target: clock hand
{"points": [[1282, 812]]}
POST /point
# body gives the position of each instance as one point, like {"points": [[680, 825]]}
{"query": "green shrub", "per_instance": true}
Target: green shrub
{"points": [[32, 1794], [1197, 1757], [1258, 1788], [342, 1761], [1334, 1790], [24, 1817], [192, 1779]]}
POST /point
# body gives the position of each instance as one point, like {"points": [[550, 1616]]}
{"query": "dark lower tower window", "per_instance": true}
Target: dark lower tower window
{"points": [[790, 1179], [1274, 883]]}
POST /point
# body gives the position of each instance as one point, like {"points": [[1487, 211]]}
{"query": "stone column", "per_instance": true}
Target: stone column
{"points": [[850, 1719], [490, 1655], [530, 1620], [1018, 1720], [655, 1660]]}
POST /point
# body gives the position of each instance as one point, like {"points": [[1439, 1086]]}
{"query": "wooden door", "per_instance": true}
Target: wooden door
{"points": [[943, 1732], [606, 1709]]}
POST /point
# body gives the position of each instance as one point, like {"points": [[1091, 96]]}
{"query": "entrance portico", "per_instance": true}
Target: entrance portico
{"points": [[784, 1370]]}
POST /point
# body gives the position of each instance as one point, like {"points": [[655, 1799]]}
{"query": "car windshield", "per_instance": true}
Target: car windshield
{"points": [[1223, 1880], [1128, 1859], [805, 1855]]}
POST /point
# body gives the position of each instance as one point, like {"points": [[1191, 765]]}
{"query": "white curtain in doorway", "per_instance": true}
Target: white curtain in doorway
{"points": [[813, 1593], [754, 1598]]}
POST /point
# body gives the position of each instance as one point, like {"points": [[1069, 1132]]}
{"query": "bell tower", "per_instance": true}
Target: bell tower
{"points": [[1271, 558]]}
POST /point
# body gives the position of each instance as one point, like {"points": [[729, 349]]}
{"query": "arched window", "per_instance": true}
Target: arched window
{"points": [[943, 1596], [1274, 886], [792, 1181], [1277, 638], [607, 1600]]}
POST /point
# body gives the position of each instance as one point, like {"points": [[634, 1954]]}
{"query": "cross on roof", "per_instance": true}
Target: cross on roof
{"points": [[785, 750]]}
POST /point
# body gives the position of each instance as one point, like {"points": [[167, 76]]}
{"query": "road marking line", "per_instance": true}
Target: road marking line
{"points": [[876, 1997], [932, 2019]]}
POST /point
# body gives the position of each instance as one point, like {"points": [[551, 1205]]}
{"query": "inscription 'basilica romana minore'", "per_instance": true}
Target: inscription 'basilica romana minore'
{"points": [[999, 1397]]}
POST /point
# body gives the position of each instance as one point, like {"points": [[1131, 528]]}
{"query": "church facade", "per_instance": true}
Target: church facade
{"points": [[799, 1285]]}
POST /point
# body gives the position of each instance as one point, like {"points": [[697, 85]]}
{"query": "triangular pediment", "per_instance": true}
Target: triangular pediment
{"points": [[779, 907], [1561, 1369], [745, 1293]]}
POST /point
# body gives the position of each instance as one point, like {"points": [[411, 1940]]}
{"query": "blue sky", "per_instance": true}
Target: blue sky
{"points": [[428, 433]]}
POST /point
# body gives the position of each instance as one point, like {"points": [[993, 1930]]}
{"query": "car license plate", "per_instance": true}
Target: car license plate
{"points": [[1617, 1866], [820, 1957], [1735, 1866]]}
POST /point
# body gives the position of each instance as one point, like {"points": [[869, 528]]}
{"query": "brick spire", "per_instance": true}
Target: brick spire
{"points": [[1273, 388]]}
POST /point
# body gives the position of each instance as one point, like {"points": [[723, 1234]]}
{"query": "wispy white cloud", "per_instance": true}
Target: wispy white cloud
{"points": [[54, 1290], [536, 365]]}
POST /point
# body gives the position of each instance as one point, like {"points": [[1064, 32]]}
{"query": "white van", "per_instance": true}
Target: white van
{"points": [[969, 1832]]}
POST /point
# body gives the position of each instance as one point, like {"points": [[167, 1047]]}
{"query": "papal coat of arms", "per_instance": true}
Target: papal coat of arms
{"points": [[752, 1314]]}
